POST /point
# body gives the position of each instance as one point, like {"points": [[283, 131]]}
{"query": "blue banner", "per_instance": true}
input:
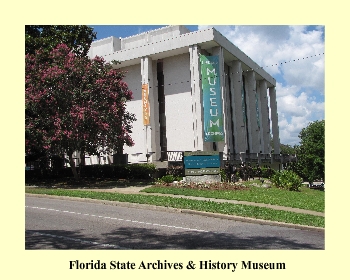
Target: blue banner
{"points": [[212, 108], [202, 161]]}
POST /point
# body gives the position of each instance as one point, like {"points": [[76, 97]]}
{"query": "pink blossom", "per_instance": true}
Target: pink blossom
{"points": [[75, 99]]}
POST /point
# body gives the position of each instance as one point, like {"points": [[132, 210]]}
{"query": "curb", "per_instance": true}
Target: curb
{"points": [[252, 220], [179, 210]]}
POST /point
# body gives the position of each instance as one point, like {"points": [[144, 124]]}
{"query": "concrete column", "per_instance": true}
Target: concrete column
{"points": [[196, 93], [258, 114], [151, 132], [274, 120], [228, 111], [264, 120], [253, 129], [239, 125]]}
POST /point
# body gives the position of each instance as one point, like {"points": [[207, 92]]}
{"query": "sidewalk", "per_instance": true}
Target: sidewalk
{"points": [[137, 190]]}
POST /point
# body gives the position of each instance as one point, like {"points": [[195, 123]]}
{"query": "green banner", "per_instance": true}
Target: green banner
{"points": [[212, 108]]}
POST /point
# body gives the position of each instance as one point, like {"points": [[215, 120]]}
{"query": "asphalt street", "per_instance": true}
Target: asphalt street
{"points": [[52, 223]]}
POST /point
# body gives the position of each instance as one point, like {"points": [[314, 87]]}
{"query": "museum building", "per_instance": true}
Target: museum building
{"points": [[194, 91]]}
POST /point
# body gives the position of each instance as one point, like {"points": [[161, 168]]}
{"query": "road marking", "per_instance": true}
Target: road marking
{"points": [[119, 219], [76, 240]]}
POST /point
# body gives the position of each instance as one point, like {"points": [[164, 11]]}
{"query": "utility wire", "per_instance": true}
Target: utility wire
{"points": [[252, 69]]}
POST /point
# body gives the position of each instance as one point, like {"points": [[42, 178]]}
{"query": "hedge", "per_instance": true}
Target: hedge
{"points": [[121, 171]]}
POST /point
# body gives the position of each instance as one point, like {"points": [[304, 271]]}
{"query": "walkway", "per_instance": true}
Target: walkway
{"points": [[137, 190]]}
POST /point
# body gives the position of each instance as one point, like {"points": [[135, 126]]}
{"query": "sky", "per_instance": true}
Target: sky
{"points": [[293, 55]]}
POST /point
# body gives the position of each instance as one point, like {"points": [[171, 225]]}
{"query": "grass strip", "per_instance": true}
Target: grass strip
{"points": [[183, 203], [306, 199]]}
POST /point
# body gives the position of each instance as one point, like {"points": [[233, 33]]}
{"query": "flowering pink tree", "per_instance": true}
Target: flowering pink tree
{"points": [[75, 103]]}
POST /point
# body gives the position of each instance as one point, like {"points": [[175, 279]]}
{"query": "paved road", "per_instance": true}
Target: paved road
{"points": [[65, 224]]}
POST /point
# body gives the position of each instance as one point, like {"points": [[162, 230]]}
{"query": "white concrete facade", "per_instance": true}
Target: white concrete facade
{"points": [[167, 59]]}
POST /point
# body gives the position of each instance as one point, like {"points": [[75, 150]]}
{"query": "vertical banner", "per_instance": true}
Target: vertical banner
{"points": [[145, 105], [212, 108]]}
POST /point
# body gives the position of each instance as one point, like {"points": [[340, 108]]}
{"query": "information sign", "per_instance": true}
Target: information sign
{"points": [[201, 163]]}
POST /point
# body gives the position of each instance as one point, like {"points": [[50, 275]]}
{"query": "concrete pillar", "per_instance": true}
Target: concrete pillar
{"points": [[239, 125], [264, 120], [258, 114], [274, 120], [253, 129], [228, 111], [151, 132], [196, 93]]}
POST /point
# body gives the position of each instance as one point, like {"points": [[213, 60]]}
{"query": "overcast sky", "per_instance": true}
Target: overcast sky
{"points": [[293, 55]]}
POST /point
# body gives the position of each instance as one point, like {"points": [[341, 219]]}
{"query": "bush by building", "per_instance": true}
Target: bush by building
{"points": [[122, 171]]}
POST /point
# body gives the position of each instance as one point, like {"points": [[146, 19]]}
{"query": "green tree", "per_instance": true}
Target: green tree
{"points": [[74, 103], [311, 151], [46, 37], [287, 149]]}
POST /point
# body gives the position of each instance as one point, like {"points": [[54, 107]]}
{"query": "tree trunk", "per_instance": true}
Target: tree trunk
{"points": [[120, 149], [82, 163], [118, 155], [72, 165]]}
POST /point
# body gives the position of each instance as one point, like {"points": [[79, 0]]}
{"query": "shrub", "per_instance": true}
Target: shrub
{"points": [[223, 175], [140, 171], [287, 179], [267, 172], [167, 179], [176, 170], [113, 171]]}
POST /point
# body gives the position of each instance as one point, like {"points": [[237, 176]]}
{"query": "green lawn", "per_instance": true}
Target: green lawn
{"points": [[183, 203], [305, 199]]}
